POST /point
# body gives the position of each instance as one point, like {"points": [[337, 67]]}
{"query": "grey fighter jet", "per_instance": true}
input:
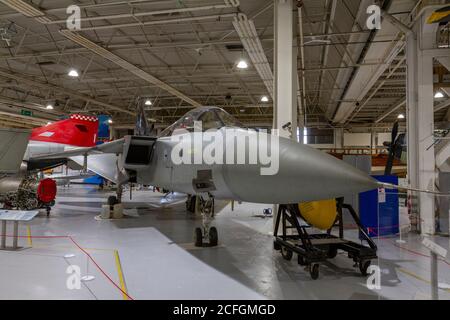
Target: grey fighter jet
{"points": [[208, 153]]}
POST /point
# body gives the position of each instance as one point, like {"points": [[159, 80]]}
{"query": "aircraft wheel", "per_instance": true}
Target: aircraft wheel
{"points": [[332, 252], [276, 246], [198, 237], [363, 266], [314, 271], [286, 253], [213, 237], [112, 200]]}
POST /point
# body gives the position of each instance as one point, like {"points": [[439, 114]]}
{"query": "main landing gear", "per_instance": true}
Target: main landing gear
{"points": [[113, 200], [206, 235], [114, 208]]}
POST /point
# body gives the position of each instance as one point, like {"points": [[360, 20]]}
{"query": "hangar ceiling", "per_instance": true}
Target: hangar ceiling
{"points": [[184, 53]]}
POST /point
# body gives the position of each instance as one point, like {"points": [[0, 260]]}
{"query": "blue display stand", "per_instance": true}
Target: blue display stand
{"points": [[103, 127], [380, 218], [97, 180]]}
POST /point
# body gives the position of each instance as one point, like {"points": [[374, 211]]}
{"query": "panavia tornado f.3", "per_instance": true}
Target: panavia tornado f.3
{"points": [[208, 153]]}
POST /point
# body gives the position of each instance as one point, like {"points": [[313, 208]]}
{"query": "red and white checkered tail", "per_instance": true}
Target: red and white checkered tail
{"points": [[78, 131]]}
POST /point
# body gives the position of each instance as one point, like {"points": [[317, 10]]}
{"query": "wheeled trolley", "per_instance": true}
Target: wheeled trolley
{"points": [[313, 249]]}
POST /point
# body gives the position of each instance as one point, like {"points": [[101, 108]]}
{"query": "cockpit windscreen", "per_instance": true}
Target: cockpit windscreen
{"points": [[209, 117]]}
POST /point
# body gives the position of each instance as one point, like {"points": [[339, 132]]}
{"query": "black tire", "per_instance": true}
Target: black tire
{"points": [[363, 266], [213, 237], [112, 200], [190, 204], [332, 252], [286, 253], [276, 246], [314, 271], [198, 237], [301, 260]]}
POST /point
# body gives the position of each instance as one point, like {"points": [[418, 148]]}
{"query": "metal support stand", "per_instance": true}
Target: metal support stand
{"points": [[15, 216], [85, 163], [3, 235], [15, 234], [313, 249], [434, 276]]}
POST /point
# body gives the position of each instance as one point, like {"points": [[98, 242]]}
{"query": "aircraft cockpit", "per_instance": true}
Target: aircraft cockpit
{"points": [[209, 117]]}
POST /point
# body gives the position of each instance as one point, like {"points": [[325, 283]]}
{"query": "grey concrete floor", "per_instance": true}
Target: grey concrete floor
{"points": [[159, 261]]}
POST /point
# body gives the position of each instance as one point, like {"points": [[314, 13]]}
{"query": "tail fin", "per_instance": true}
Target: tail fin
{"points": [[77, 131], [142, 128]]}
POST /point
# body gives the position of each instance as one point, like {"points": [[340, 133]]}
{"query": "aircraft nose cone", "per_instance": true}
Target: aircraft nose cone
{"points": [[304, 174]]}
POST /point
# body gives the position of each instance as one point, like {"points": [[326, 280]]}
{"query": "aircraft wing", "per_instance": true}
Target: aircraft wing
{"points": [[113, 147], [102, 159], [102, 164], [13, 143]]}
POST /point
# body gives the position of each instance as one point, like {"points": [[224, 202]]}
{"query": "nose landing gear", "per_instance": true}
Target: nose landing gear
{"points": [[206, 235]]}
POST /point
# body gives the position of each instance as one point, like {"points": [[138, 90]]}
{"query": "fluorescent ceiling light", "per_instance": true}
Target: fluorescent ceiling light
{"points": [[242, 64], [49, 107], [438, 95], [401, 116], [148, 102], [264, 99], [73, 73]]}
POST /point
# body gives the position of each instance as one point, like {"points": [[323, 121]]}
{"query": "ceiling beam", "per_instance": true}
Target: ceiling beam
{"points": [[126, 65], [395, 107], [39, 84]]}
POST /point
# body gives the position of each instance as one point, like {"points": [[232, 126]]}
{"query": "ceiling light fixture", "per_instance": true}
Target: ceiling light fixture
{"points": [[264, 99], [438, 95], [49, 107], [73, 73], [148, 102], [401, 116], [110, 121], [242, 64]]}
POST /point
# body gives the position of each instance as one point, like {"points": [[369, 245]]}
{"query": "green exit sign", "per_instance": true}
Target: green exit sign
{"points": [[26, 113]]}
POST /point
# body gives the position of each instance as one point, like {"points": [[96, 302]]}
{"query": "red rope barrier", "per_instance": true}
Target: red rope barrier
{"points": [[82, 250]]}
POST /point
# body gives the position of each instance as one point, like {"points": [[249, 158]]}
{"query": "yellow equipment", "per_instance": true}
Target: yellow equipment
{"points": [[441, 15], [320, 214]]}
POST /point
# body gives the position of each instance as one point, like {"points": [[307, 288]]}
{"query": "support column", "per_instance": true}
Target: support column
{"points": [[338, 138], [420, 122], [285, 74], [285, 98]]}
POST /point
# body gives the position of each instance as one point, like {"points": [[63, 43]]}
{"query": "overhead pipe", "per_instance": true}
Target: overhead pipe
{"points": [[152, 13], [302, 56], [391, 73], [157, 22], [246, 30]]}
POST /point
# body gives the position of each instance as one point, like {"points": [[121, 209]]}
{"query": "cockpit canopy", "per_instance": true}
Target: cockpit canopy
{"points": [[209, 117]]}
